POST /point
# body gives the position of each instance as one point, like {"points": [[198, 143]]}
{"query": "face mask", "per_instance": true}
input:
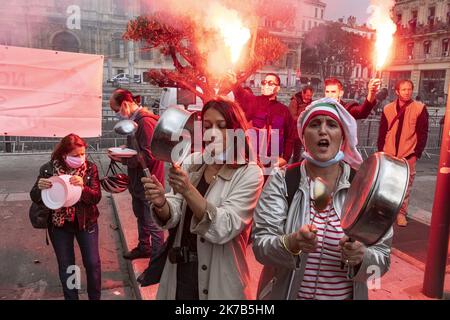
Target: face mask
{"points": [[120, 116], [75, 162], [338, 157], [267, 90]]}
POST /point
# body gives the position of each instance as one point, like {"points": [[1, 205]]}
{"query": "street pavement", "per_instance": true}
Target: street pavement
{"points": [[28, 267], [21, 277]]}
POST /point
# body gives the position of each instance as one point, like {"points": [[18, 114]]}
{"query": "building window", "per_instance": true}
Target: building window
{"points": [[413, 22], [309, 25], [316, 13], [119, 7], [448, 14], [118, 47], [445, 47], [65, 41], [321, 14], [427, 47], [290, 57], [145, 53], [431, 14], [303, 25], [431, 86], [410, 50]]}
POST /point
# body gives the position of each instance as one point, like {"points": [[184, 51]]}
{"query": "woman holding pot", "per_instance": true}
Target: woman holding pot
{"points": [[303, 246], [78, 221], [211, 205]]}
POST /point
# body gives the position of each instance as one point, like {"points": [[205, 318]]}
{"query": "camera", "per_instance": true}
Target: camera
{"points": [[179, 255]]}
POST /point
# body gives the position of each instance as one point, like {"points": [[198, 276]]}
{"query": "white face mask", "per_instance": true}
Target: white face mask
{"points": [[324, 164], [267, 89], [75, 162]]}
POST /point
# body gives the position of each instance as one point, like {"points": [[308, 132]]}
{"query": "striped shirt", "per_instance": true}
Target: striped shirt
{"points": [[323, 278]]}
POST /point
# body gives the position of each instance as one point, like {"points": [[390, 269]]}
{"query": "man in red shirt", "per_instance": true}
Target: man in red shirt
{"points": [[266, 112], [335, 90]]}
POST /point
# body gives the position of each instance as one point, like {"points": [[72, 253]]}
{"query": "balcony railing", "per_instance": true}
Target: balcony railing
{"points": [[420, 29]]}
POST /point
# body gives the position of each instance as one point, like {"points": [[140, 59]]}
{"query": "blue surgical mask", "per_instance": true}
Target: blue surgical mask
{"points": [[120, 116], [323, 164]]}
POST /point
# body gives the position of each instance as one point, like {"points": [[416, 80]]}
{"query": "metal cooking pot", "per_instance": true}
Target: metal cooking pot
{"points": [[171, 141], [375, 197]]}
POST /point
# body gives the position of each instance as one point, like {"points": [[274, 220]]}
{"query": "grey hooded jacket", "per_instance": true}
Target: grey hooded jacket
{"points": [[283, 272]]}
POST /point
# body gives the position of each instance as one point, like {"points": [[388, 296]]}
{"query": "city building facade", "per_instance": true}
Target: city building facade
{"points": [[307, 14], [84, 26], [97, 26], [422, 50]]}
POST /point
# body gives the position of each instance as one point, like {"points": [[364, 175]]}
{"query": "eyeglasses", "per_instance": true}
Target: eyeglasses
{"points": [[270, 83]]}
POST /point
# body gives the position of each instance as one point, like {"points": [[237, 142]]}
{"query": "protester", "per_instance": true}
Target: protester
{"points": [[302, 245], [78, 221], [266, 112], [211, 204], [403, 133], [335, 90], [298, 104], [123, 103]]}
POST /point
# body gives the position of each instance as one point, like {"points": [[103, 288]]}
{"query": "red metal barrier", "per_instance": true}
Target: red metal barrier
{"points": [[433, 284]]}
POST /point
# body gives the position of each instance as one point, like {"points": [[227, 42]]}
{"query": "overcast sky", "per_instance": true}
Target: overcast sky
{"points": [[343, 8]]}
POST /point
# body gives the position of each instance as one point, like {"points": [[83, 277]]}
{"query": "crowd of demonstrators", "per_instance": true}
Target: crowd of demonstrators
{"points": [[403, 133], [78, 221], [123, 103], [211, 204], [302, 245], [216, 207], [297, 105], [266, 112]]}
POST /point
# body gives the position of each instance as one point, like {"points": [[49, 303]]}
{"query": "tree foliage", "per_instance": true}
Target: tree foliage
{"points": [[180, 38], [329, 45]]}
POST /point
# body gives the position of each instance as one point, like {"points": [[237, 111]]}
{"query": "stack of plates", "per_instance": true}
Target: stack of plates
{"points": [[122, 152], [61, 194]]}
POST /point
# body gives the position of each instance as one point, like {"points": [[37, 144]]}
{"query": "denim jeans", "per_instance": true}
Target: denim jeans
{"points": [[63, 243], [147, 228]]}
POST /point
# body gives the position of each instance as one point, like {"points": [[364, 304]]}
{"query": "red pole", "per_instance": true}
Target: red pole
{"points": [[433, 283]]}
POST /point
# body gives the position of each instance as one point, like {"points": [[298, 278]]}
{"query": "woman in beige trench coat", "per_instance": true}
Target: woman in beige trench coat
{"points": [[211, 204]]}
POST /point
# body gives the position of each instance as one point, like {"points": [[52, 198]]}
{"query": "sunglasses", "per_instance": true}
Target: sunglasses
{"points": [[270, 83]]}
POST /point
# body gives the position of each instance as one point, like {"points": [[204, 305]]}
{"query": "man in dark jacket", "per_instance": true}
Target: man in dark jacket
{"points": [[122, 102], [266, 112], [297, 105], [334, 89]]}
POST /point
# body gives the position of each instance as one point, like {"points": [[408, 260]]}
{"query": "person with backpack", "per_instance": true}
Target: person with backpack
{"points": [[297, 234], [77, 221], [126, 106]]}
